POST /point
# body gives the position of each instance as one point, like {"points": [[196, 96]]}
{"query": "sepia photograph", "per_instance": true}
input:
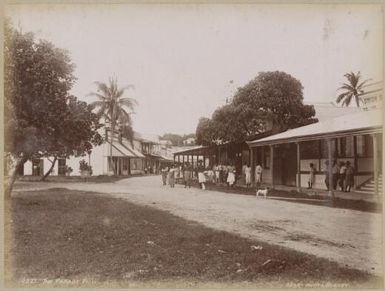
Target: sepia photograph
{"points": [[193, 145]]}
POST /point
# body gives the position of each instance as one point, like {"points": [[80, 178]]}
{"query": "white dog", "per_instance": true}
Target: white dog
{"points": [[262, 192]]}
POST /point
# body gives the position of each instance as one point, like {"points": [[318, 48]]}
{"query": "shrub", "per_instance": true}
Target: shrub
{"points": [[84, 166]]}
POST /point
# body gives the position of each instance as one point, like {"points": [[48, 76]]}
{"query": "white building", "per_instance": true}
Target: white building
{"points": [[144, 154], [372, 97]]}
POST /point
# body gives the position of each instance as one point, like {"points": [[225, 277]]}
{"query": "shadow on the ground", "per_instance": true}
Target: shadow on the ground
{"points": [[298, 197]]}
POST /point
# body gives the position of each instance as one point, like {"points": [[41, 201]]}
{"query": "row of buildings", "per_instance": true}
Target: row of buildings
{"points": [[146, 153], [342, 134]]}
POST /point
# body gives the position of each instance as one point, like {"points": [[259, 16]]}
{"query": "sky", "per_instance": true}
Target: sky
{"points": [[186, 59]]}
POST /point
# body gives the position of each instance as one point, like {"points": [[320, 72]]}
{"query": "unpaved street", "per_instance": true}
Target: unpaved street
{"points": [[351, 238]]}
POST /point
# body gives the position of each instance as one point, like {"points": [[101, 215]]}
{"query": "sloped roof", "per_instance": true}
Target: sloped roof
{"points": [[327, 110], [121, 151], [361, 122], [128, 146]]}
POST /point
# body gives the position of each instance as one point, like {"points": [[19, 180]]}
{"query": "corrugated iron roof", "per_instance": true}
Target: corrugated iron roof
{"points": [[361, 121]]}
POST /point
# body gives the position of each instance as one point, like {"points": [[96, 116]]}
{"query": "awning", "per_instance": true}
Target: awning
{"points": [[120, 150], [152, 156], [364, 122], [194, 150], [136, 153]]}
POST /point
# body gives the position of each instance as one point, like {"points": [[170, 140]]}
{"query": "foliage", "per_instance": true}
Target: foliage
{"points": [[352, 89], [41, 118], [276, 98], [113, 107], [84, 166], [177, 139], [37, 79], [272, 101], [68, 170], [205, 133]]}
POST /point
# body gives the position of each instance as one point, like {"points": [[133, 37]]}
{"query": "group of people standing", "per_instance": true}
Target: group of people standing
{"points": [[218, 174], [258, 175], [342, 175], [174, 173], [225, 173]]}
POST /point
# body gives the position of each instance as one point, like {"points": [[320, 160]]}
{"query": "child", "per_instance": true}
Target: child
{"points": [[311, 176], [230, 177], [202, 177]]}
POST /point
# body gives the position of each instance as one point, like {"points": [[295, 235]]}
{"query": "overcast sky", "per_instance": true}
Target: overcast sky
{"points": [[184, 60]]}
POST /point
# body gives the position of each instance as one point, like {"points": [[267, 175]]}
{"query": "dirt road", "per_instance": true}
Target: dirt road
{"points": [[351, 238]]}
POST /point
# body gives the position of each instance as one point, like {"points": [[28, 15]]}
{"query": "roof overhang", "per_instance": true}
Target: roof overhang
{"points": [[310, 137]]}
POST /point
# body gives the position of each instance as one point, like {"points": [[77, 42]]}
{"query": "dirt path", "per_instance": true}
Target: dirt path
{"points": [[351, 238]]}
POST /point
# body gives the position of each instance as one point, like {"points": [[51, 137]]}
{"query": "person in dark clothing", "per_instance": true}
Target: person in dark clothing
{"points": [[349, 177]]}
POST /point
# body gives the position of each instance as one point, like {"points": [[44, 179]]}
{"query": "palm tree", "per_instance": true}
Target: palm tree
{"points": [[353, 88], [113, 106]]}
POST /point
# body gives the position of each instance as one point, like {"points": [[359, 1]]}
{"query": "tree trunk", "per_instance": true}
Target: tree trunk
{"points": [[112, 140], [50, 169], [8, 187]]}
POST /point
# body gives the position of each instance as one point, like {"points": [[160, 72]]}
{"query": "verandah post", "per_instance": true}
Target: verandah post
{"points": [[298, 168], [252, 164], [329, 169], [375, 163], [272, 165]]}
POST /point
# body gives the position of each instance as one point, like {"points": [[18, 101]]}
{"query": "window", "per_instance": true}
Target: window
{"points": [[126, 163], [266, 157], [364, 146], [310, 149], [324, 148], [37, 167], [61, 167], [112, 166], [345, 147]]}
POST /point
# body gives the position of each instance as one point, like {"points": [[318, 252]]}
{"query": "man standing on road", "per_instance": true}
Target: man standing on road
{"points": [[164, 175], [248, 175], [258, 175], [187, 175]]}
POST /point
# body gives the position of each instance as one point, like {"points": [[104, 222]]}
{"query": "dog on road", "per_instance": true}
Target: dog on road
{"points": [[262, 192]]}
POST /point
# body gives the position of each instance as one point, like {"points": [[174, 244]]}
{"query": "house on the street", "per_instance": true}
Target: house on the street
{"points": [[238, 153], [189, 141], [144, 154], [357, 138], [372, 97]]}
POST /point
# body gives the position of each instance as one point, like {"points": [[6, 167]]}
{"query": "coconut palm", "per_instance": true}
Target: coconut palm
{"points": [[353, 88], [114, 108]]}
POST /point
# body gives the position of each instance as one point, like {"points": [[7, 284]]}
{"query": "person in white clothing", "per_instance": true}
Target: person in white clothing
{"points": [[258, 175], [248, 175], [202, 177], [230, 176]]}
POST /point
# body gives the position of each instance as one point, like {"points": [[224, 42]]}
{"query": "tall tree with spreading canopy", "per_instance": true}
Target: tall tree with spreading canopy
{"points": [[115, 109], [352, 89], [272, 101], [277, 99], [37, 79], [205, 132], [75, 135]]}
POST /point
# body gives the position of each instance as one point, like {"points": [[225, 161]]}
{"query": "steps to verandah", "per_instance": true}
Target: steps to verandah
{"points": [[369, 187]]}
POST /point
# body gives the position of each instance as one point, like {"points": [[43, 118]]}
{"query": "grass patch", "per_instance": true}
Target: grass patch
{"points": [[58, 235]]}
